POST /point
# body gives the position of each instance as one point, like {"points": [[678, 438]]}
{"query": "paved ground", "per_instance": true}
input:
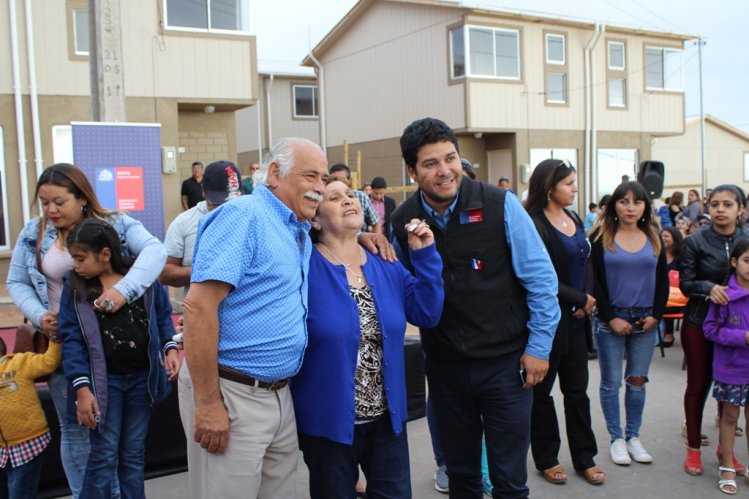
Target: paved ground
{"points": [[660, 434]]}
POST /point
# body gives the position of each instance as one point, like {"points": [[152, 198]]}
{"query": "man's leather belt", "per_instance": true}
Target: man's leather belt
{"points": [[237, 377]]}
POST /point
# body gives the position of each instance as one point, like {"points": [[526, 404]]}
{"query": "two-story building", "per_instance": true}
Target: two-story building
{"points": [[287, 106], [517, 88], [188, 65]]}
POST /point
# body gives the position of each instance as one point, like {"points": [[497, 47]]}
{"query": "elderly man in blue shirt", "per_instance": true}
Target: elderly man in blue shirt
{"points": [[499, 317]]}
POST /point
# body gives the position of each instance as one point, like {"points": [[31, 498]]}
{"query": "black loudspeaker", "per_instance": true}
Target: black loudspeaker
{"points": [[650, 175]]}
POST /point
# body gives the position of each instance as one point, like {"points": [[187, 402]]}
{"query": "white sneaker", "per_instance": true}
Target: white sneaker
{"points": [[637, 451], [619, 454]]}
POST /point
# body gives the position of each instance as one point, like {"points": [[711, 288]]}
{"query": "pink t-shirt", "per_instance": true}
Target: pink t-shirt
{"points": [[55, 264]]}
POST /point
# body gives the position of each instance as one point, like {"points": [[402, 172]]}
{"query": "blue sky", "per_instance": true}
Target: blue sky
{"points": [[287, 28]]}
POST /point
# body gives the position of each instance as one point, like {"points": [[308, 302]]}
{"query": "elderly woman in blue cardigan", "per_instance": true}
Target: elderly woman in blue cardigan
{"points": [[350, 394]]}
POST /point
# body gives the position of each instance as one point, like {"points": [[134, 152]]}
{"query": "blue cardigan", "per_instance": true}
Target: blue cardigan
{"points": [[323, 390], [83, 351]]}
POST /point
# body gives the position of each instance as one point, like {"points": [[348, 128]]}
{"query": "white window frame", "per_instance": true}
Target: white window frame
{"points": [[624, 57], [667, 78], [564, 49], [248, 31], [315, 111], [746, 166], [75, 33], [4, 191], [467, 48]]}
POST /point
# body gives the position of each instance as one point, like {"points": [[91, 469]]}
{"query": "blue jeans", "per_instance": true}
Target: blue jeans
{"points": [[482, 397], [21, 482], [611, 348], [434, 434], [383, 456], [118, 443], [74, 438]]}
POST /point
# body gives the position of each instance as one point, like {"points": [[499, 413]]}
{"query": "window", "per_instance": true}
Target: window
{"points": [[612, 164], [616, 56], [458, 52], [489, 52], [305, 101], [208, 15], [555, 49], [663, 69], [616, 76], [80, 31], [556, 88], [617, 92], [556, 69], [746, 167], [4, 235]]}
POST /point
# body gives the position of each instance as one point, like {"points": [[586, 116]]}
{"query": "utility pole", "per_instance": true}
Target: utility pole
{"points": [[700, 43], [105, 61]]}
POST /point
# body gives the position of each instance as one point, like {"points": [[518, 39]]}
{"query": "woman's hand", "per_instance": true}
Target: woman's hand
{"points": [[419, 234], [718, 295], [110, 301], [48, 324], [172, 364], [590, 304], [620, 326], [377, 244], [87, 408], [648, 323]]}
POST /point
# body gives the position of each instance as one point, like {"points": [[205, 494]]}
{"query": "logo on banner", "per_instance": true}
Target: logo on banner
{"points": [[120, 188]]}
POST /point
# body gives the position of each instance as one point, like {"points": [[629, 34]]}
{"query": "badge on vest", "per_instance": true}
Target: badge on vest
{"points": [[471, 216], [477, 264]]}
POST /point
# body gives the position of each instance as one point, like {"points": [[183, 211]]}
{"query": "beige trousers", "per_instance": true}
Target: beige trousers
{"points": [[262, 452]]}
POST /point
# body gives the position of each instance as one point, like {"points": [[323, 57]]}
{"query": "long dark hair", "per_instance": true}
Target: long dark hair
{"points": [[678, 241], [741, 247], [546, 175], [74, 180], [610, 220], [93, 235]]}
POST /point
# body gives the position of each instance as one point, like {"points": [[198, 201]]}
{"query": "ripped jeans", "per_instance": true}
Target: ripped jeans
{"points": [[611, 348]]}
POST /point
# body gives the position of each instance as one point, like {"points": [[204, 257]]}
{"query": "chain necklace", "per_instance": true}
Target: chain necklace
{"points": [[562, 218], [347, 266]]}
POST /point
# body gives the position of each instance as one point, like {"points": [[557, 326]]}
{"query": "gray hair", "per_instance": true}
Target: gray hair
{"points": [[282, 153]]}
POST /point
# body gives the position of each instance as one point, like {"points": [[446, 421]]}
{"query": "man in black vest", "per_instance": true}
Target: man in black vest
{"points": [[500, 313]]}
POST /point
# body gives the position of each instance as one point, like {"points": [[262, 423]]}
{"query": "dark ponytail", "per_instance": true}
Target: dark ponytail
{"points": [[93, 235]]}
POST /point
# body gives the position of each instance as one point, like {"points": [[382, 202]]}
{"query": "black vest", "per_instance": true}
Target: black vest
{"points": [[485, 312]]}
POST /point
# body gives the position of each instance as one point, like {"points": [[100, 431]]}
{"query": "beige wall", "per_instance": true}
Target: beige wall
{"points": [[681, 155], [405, 45], [156, 63]]}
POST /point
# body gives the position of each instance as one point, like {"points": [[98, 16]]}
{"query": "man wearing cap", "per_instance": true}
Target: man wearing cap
{"points": [[499, 318], [221, 183]]}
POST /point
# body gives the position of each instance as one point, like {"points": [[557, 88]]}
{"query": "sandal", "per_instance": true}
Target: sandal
{"points": [[704, 439], [590, 475], [555, 475], [740, 468], [693, 462], [727, 485]]}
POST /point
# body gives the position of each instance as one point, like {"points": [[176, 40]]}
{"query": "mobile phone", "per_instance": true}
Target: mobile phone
{"points": [[522, 376]]}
